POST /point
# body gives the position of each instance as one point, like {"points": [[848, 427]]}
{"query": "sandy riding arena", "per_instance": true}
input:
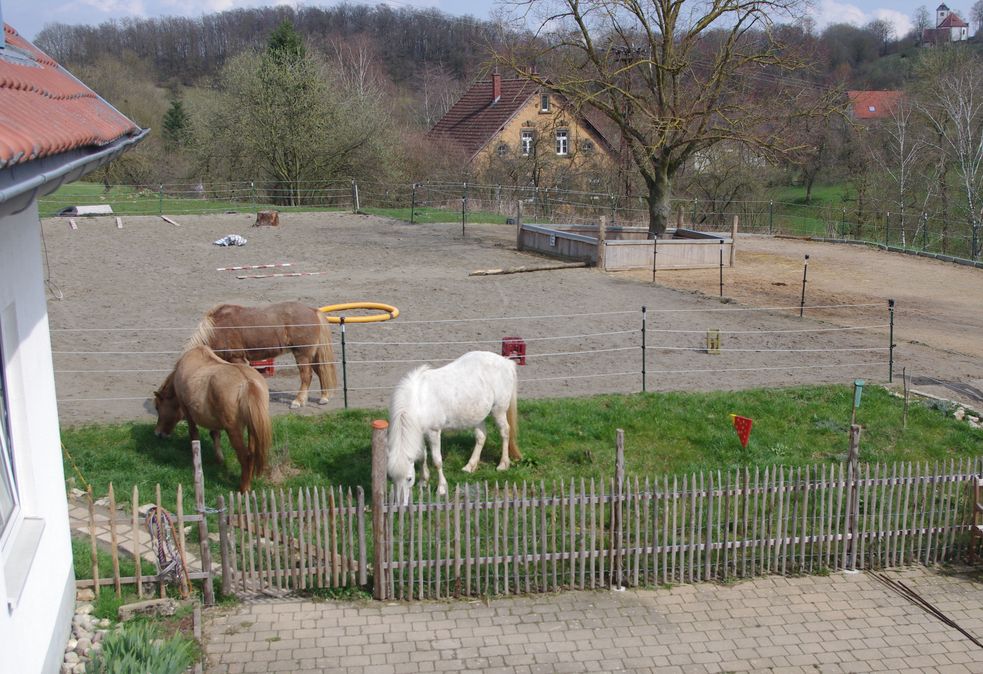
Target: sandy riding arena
{"points": [[123, 301]]}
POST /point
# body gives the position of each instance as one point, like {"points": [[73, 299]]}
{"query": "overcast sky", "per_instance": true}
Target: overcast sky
{"points": [[29, 16]]}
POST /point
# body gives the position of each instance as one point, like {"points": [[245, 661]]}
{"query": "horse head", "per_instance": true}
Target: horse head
{"points": [[168, 408], [399, 464]]}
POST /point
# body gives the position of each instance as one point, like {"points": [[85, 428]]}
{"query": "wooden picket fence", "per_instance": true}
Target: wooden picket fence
{"points": [[119, 527], [276, 541], [520, 538], [501, 539]]}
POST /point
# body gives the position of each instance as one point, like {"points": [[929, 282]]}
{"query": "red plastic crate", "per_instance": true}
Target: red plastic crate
{"points": [[514, 348], [265, 367]]}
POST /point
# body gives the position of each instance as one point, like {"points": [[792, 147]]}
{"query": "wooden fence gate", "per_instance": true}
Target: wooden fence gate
{"points": [[279, 541]]}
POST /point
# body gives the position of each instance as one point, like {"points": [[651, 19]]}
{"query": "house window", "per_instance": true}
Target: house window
{"points": [[8, 493], [587, 146], [502, 149], [544, 103], [562, 142], [525, 142]]}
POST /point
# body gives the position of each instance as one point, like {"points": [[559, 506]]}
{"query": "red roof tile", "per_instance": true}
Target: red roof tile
{"points": [[475, 118], [873, 104], [45, 111]]}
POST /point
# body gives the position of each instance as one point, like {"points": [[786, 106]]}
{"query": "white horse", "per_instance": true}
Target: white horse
{"points": [[458, 395]]}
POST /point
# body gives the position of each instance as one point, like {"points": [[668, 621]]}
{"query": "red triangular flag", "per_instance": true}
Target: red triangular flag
{"points": [[743, 427]]}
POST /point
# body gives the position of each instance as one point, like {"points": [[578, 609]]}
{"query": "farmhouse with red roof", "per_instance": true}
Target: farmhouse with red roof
{"points": [[514, 131], [53, 130]]}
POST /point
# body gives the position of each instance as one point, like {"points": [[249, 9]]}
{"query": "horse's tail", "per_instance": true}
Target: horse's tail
{"points": [[512, 416], [327, 373], [255, 407]]}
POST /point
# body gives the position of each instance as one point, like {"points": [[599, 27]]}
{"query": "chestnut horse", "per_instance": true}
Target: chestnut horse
{"points": [[209, 392], [241, 334]]}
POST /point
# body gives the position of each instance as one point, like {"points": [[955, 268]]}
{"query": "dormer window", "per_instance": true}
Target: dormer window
{"points": [[544, 103], [871, 108]]}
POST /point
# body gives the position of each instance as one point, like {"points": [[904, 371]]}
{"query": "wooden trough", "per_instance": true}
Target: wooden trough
{"points": [[623, 248]]}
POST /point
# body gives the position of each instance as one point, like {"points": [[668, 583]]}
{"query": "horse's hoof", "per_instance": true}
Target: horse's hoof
{"points": [[468, 468], [442, 490], [323, 401], [296, 405], [504, 465]]}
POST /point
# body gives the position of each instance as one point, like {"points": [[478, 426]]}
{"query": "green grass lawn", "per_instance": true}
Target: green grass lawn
{"points": [[561, 439]]}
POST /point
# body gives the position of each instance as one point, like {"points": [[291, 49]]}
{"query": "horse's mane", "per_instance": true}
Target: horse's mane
{"points": [[404, 431], [204, 331]]}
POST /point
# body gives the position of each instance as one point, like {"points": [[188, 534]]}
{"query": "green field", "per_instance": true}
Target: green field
{"points": [[563, 439]]}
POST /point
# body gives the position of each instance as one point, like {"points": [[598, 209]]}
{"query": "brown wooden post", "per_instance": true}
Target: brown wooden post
{"points": [[379, 553], [617, 512], [853, 503], [223, 547], [92, 543], [733, 240], [602, 237], [206, 552]]}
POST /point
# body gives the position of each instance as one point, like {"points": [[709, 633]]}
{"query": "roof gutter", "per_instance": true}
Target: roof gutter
{"points": [[22, 184]]}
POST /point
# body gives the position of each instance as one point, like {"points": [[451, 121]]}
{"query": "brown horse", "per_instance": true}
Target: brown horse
{"points": [[209, 392], [241, 334]]}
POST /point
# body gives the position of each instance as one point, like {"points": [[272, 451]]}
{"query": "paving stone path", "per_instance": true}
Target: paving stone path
{"points": [[837, 623]]}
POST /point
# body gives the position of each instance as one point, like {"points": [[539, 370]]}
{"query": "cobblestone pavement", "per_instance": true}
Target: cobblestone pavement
{"points": [[838, 623]]}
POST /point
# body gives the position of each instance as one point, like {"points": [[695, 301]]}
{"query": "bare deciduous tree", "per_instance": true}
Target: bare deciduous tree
{"points": [[676, 78], [952, 99], [900, 150]]}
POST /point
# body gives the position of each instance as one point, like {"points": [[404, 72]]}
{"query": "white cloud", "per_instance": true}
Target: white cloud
{"points": [[117, 7], [902, 23], [826, 12]]}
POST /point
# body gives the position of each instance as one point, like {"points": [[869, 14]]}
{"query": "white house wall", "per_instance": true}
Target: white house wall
{"points": [[34, 631]]}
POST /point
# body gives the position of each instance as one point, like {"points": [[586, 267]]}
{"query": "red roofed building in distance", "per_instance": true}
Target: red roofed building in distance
{"points": [[513, 132], [869, 105], [949, 27], [53, 130]]}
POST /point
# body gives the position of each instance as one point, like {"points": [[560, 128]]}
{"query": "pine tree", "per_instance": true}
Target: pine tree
{"points": [[285, 43], [176, 124]]}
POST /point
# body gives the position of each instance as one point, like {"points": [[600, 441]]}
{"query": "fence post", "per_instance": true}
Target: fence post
{"points": [[160, 199], [602, 235], [853, 504], [693, 223], [771, 216], [379, 553], [355, 205], [733, 240], [344, 363], [802, 301], [413, 206], [924, 231], [721, 267], [464, 208], [206, 552], [644, 316], [890, 346], [619, 511], [223, 546], [887, 229], [252, 192]]}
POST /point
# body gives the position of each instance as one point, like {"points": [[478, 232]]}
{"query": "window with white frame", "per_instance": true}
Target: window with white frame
{"points": [[8, 492], [544, 103], [526, 142], [562, 142]]}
